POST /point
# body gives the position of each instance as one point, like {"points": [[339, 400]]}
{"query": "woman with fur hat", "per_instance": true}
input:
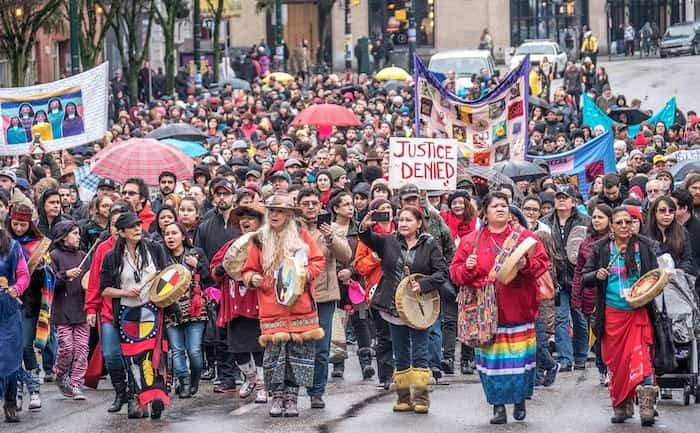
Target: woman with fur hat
{"points": [[289, 329]]}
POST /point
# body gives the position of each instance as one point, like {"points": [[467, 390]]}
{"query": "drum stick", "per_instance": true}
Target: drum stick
{"points": [[16, 298], [97, 241]]}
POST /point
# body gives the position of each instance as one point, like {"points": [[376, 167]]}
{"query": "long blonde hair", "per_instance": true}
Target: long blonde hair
{"points": [[276, 245]]}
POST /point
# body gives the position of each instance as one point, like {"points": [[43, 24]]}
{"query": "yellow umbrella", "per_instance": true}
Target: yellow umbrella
{"points": [[392, 73], [282, 77]]}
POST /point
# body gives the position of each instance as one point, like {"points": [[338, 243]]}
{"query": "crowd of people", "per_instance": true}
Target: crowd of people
{"points": [[319, 197]]}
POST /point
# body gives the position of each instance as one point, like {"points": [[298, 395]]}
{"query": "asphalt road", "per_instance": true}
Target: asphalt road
{"points": [[576, 404]]}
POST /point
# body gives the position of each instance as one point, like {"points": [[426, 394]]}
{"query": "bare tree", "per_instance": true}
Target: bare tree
{"points": [[167, 15], [217, 9], [20, 21], [95, 17]]}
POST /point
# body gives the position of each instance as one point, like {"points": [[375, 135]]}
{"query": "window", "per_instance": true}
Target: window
{"points": [[389, 18], [547, 19]]}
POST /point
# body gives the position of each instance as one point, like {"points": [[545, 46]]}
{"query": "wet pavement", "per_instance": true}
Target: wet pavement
{"points": [[575, 404]]}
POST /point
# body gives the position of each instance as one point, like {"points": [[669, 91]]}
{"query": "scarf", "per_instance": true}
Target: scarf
{"points": [[43, 323], [196, 303]]}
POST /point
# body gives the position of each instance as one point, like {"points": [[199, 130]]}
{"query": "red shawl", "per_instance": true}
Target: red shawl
{"points": [[458, 227]]}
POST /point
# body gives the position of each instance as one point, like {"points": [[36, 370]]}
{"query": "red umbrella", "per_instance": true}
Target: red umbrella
{"points": [[141, 157], [326, 114]]}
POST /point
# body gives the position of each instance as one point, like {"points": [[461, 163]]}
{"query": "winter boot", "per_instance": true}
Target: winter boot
{"points": [[629, 408], [519, 411], [499, 415], [421, 395], [465, 366], [194, 382], [185, 390], [402, 385], [338, 369], [365, 356], [248, 386], [647, 395], [277, 406], [10, 410], [448, 366], [118, 377], [619, 414], [290, 402]]}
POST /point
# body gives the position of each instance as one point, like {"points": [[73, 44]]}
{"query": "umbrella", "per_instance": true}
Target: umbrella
{"points": [[326, 114], [393, 85], [189, 148], [392, 73], [236, 83], [538, 102], [681, 169], [520, 170], [180, 131], [141, 157], [488, 174], [634, 116], [282, 77]]}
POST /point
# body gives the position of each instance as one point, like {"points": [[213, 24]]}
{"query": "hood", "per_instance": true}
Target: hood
{"points": [[43, 220]]}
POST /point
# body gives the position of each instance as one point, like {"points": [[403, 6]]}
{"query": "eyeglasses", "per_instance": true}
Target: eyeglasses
{"points": [[665, 211], [309, 203], [623, 222]]}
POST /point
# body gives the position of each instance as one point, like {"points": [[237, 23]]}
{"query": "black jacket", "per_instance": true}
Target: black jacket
{"points": [[69, 296], [561, 236], [425, 258], [600, 258], [43, 222], [693, 227], [213, 233]]}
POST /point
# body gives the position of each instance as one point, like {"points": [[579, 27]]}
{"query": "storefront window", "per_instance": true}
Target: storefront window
{"points": [[390, 18], [661, 13], [555, 20]]}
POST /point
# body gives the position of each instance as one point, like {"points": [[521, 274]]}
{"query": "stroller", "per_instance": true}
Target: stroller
{"points": [[682, 307]]}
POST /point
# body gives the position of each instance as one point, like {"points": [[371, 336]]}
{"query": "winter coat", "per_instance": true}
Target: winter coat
{"points": [[424, 258], [90, 233], [583, 298], [69, 297], [573, 80], [368, 265], [517, 301], [43, 222], [94, 302], [600, 258], [213, 233], [576, 219], [338, 250], [441, 233]]}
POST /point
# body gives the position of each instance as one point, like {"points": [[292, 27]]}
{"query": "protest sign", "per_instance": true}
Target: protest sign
{"points": [[63, 114], [429, 163], [583, 164], [488, 130], [594, 116]]}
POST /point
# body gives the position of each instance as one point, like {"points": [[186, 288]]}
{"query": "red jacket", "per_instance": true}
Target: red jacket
{"points": [[236, 299], [147, 216], [517, 301], [94, 302], [458, 227]]}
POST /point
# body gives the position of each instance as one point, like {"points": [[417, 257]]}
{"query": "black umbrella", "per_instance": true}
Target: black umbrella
{"points": [[492, 177], [393, 85], [534, 101], [520, 170], [236, 83], [681, 169], [180, 131], [628, 116]]}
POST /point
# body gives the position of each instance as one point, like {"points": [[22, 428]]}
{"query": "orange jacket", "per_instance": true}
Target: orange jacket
{"points": [[368, 265], [302, 316]]}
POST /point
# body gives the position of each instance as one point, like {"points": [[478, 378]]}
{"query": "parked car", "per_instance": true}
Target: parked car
{"points": [[538, 49], [681, 39], [465, 64]]}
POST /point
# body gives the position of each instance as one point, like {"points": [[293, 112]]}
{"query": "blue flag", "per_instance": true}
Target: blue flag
{"points": [[583, 164], [593, 116]]}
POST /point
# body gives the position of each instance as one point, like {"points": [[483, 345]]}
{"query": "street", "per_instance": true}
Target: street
{"points": [[576, 403]]}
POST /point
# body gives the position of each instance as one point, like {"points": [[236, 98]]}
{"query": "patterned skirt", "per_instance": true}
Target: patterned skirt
{"points": [[507, 367], [289, 365]]}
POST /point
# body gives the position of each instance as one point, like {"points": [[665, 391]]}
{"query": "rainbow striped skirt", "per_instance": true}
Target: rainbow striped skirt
{"points": [[507, 367]]}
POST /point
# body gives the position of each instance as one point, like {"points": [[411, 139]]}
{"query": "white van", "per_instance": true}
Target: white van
{"points": [[464, 63]]}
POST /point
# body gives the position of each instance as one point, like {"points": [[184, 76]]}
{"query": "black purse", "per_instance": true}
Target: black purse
{"points": [[664, 349]]}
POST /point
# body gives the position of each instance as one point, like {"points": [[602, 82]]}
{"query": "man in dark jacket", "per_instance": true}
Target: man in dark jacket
{"points": [[684, 215], [49, 210], [612, 193], [166, 184], [564, 218]]}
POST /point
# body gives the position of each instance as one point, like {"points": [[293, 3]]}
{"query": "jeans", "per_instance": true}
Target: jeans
{"points": [[568, 350], [325, 321], [9, 386], [383, 348], [410, 347], [28, 355], [449, 328], [544, 357], [187, 337], [435, 344], [111, 347]]}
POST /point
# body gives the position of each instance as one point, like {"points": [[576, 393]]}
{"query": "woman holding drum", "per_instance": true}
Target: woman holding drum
{"points": [[507, 366], [282, 266], [126, 275], [626, 333], [409, 257], [185, 332]]}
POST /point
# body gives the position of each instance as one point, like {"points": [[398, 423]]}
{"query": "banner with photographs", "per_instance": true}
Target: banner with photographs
{"points": [[488, 130], [63, 114]]}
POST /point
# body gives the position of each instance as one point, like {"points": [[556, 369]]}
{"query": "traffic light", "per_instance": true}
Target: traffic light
{"points": [[570, 8], [355, 3]]}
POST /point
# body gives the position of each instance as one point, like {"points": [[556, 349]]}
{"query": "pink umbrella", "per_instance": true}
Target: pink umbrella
{"points": [[141, 157], [326, 114]]}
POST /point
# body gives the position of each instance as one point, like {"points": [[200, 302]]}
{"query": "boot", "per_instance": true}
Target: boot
{"points": [[10, 410], [448, 366], [194, 382], [421, 396], [248, 386], [629, 408], [619, 414], [499, 415], [465, 366], [647, 395], [260, 391], [365, 356], [157, 407], [338, 369], [134, 409], [519, 411], [277, 406], [185, 390], [118, 377], [290, 402], [402, 385]]}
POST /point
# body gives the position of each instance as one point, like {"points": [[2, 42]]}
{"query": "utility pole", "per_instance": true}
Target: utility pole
{"points": [[279, 49], [74, 34], [348, 37], [196, 36], [411, 34]]}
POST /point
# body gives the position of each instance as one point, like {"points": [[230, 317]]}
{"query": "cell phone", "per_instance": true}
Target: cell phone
{"points": [[380, 217], [37, 138], [324, 218]]}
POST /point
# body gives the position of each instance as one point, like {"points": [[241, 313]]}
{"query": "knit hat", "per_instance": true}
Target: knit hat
{"points": [[377, 202], [635, 212], [21, 212], [518, 214], [639, 140], [457, 194], [336, 172], [361, 188]]}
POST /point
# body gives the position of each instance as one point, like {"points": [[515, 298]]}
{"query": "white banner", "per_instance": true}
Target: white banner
{"points": [[429, 163], [64, 114]]}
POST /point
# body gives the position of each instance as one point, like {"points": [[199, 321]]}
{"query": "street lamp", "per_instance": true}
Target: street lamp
{"points": [[19, 12]]}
